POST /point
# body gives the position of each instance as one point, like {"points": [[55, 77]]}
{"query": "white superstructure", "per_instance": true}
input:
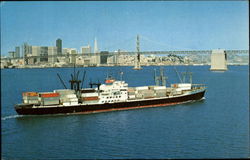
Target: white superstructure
{"points": [[116, 91]]}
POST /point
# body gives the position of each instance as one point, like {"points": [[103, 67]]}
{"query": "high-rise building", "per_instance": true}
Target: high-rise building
{"points": [[95, 46], [73, 54], [17, 52], [26, 49], [44, 54], [104, 57], [52, 51], [36, 53], [97, 56], [59, 46]]}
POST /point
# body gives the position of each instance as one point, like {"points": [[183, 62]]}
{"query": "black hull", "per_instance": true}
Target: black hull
{"points": [[27, 110]]}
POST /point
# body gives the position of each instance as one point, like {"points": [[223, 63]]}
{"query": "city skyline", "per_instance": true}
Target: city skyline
{"points": [[163, 25]]}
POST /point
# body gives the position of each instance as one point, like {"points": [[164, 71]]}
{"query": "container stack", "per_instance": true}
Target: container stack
{"points": [[30, 98], [146, 93], [131, 93], [160, 91], [49, 98], [90, 97], [67, 97]]}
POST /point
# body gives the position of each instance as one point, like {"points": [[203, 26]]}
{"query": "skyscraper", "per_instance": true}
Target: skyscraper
{"points": [[26, 49], [95, 47], [59, 46], [17, 52]]}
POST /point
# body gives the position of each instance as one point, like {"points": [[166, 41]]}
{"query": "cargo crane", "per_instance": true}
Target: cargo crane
{"points": [[160, 80]]}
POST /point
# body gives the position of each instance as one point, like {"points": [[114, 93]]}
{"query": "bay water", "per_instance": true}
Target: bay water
{"points": [[216, 127]]}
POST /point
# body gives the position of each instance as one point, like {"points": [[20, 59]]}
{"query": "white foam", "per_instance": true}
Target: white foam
{"points": [[10, 117]]}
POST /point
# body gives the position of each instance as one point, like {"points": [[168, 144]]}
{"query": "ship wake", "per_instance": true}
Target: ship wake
{"points": [[11, 117]]}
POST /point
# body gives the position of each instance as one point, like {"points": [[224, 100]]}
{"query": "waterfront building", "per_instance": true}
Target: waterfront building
{"points": [[86, 49], [59, 46], [52, 52], [96, 53], [44, 54], [11, 54], [104, 57], [73, 54], [36, 53], [26, 50], [65, 51]]}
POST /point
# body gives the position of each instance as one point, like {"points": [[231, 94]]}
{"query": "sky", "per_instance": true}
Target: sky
{"points": [[161, 25]]}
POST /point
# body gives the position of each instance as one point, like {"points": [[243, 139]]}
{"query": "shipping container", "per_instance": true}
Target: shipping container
{"points": [[130, 89], [30, 98], [70, 96], [48, 94], [131, 97], [30, 94], [142, 88], [88, 90], [31, 101], [160, 94], [145, 91], [66, 103], [91, 102], [50, 102], [73, 103], [131, 93], [139, 96], [159, 87], [94, 94], [65, 91], [73, 100], [90, 98], [49, 98]]}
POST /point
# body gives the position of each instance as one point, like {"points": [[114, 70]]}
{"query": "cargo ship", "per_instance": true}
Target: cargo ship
{"points": [[112, 95]]}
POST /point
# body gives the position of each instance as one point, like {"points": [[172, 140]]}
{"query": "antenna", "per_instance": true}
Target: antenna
{"points": [[61, 81]]}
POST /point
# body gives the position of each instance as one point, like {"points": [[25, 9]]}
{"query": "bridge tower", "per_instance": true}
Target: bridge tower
{"points": [[218, 60], [138, 56]]}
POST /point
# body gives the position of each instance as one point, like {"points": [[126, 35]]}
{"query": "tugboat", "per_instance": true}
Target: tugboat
{"points": [[113, 95]]}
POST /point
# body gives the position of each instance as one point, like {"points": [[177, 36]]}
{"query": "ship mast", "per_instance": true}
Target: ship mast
{"points": [[74, 82], [160, 80]]}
